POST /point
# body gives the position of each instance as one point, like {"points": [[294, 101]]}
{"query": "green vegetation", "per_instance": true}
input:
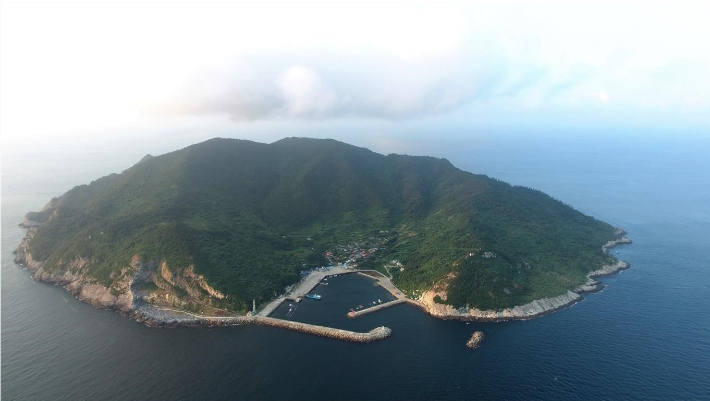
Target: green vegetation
{"points": [[249, 216]]}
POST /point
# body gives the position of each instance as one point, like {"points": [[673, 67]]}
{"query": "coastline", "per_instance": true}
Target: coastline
{"points": [[132, 306], [532, 309]]}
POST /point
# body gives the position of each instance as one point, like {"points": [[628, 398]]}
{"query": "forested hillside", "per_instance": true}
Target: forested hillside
{"points": [[248, 217]]}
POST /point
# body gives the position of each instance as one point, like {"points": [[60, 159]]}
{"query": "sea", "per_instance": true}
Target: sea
{"points": [[646, 336]]}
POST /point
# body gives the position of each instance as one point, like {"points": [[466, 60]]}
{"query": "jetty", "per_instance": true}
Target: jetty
{"points": [[167, 317], [385, 283], [376, 334], [353, 314]]}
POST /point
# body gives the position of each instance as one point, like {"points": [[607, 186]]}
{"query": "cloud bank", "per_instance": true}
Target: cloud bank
{"points": [[397, 63], [264, 88], [80, 66]]}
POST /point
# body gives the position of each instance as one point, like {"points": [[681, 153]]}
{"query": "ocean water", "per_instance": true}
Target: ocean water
{"points": [[646, 336]]}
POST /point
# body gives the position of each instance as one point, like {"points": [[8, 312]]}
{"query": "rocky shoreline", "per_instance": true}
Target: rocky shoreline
{"points": [[128, 304], [132, 306], [84, 290], [533, 309]]}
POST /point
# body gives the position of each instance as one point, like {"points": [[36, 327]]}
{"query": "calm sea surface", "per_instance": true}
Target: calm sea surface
{"points": [[646, 336]]}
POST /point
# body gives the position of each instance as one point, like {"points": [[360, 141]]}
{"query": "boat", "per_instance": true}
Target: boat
{"points": [[313, 296]]}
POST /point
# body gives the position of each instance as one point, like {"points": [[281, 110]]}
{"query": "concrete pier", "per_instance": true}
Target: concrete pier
{"points": [[376, 308]]}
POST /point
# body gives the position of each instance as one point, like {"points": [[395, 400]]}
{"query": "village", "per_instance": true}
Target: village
{"points": [[354, 253]]}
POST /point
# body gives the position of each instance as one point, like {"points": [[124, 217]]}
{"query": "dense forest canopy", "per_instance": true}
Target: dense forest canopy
{"points": [[250, 216]]}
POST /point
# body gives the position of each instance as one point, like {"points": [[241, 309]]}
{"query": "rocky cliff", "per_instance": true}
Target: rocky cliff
{"points": [[118, 296], [140, 283]]}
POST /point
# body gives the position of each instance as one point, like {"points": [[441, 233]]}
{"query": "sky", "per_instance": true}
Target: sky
{"points": [[381, 75]]}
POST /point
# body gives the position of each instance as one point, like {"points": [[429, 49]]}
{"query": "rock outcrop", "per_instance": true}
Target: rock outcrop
{"points": [[119, 296], [475, 340], [623, 240]]}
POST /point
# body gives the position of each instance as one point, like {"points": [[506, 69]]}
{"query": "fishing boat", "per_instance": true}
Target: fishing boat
{"points": [[313, 296]]}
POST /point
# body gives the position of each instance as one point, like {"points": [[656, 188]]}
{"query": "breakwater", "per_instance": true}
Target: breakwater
{"points": [[376, 334], [161, 317]]}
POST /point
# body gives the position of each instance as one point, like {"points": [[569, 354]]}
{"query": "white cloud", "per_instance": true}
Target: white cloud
{"points": [[304, 93], [87, 66], [603, 97]]}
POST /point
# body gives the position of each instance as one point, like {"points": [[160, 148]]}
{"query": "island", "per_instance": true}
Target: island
{"points": [[218, 231]]}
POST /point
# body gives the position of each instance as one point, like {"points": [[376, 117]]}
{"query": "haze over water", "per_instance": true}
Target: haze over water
{"points": [[644, 337]]}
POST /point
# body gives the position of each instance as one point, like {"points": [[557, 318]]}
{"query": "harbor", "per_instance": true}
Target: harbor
{"points": [[315, 278], [300, 292], [303, 288]]}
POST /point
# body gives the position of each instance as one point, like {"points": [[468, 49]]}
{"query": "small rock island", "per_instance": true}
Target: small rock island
{"points": [[475, 340]]}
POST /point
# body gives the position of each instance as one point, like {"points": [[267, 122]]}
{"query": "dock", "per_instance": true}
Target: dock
{"points": [[385, 283], [354, 314], [303, 288]]}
